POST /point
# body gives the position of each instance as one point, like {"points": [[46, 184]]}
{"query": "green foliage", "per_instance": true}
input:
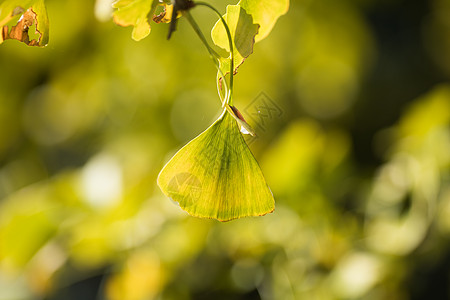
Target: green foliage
{"points": [[249, 22], [358, 161], [216, 176], [228, 184]]}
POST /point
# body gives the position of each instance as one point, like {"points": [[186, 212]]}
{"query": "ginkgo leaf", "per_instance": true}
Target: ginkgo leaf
{"points": [[216, 175], [265, 13], [250, 21], [136, 13], [30, 14], [243, 32]]}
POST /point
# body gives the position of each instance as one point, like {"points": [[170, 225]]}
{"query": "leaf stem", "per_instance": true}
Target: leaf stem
{"points": [[230, 44], [215, 57]]}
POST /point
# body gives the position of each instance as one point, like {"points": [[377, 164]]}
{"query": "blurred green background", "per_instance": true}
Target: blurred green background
{"points": [[358, 158]]}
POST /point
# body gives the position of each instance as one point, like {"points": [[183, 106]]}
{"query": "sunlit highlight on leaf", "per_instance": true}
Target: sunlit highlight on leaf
{"points": [[265, 13]]}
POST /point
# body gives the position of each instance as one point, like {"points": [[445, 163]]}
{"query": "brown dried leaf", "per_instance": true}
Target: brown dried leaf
{"points": [[20, 31]]}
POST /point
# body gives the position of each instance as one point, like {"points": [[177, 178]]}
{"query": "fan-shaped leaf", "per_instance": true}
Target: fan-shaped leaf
{"points": [[216, 176]]}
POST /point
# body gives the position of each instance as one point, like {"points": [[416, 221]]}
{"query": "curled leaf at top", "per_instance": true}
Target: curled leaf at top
{"points": [[32, 26], [261, 13], [216, 176], [243, 32]]}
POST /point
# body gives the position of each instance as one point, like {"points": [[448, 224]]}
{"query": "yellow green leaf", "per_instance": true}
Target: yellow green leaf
{"points": [[265, 13], [243, 33], [136, 13], [216, 176]]}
